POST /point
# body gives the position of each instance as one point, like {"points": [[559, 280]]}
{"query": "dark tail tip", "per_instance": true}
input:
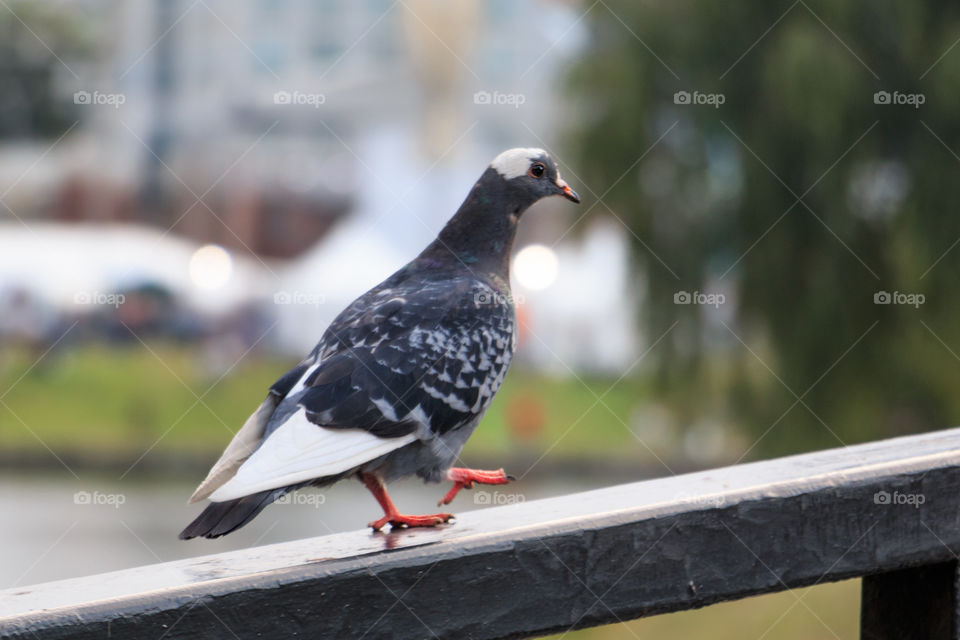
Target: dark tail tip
{"points": [[220, 518]]}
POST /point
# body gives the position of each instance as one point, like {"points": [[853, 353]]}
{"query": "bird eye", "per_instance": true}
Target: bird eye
{"points": [[536, 170]]}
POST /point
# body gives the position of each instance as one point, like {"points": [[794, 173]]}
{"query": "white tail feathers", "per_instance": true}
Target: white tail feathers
{"points": [[239, 449], [298, 451]]}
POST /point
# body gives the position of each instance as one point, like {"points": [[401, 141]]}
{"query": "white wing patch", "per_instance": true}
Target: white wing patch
{"points": [[300, 450], [514, 163]]}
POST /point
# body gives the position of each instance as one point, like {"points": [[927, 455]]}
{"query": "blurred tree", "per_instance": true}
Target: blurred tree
{"points": [[800, 197], [33, 35]]}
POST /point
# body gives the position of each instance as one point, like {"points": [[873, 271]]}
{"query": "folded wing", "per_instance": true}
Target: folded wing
{"points": [[395, 367]]}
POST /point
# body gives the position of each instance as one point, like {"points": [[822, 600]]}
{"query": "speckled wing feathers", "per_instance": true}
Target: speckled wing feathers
{"points": [[403, 357]]}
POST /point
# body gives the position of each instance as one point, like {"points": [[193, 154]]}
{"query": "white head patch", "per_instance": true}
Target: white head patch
{"points": [[514, 163]]}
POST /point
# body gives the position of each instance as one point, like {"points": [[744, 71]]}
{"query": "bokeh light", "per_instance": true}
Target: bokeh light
{"points": [[210, 267], [535, 267]]}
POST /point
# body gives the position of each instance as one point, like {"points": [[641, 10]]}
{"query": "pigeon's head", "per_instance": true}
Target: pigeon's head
{"points": [[532, 174], [482, 231]]}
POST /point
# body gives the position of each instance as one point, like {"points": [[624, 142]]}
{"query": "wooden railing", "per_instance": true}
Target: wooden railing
{"points": [[888, 511]]}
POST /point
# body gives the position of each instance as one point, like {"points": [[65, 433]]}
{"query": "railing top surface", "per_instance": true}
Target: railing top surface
{"points": [[624, 503]]}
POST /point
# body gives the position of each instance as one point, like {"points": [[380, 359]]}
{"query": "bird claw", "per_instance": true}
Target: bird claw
{"points": [[448, 498], [465, 478], [398, 520]]}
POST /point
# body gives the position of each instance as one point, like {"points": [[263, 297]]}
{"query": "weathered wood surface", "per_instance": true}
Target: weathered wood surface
{"points": [[521, 570]]}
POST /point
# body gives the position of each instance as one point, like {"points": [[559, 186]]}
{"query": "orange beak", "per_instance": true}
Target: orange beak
{"points": [[568, 193]]}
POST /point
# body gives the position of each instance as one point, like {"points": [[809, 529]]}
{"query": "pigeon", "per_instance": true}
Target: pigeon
{"points": [[401, 377]]}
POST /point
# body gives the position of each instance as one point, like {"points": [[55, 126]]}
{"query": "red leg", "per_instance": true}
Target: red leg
{"points": [[464, 479], [391, 515]]}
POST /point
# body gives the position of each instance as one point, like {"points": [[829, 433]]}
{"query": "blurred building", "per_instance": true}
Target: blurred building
{"points": [[280, 106], [304, 135]]}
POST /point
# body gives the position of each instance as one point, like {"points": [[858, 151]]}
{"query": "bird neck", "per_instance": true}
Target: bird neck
{"points": [[480, 235]]}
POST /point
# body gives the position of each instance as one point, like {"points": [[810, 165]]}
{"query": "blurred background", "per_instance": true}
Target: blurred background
{"points": [[191, 190]]}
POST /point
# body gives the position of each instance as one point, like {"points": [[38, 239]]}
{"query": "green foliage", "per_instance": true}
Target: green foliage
{"points": [[32, 59], [118, 403], [103, 401], [714, 206], [824, 611]]}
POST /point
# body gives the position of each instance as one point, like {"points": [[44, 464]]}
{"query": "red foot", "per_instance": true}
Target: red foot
{"points": [[397, 520], [394, 517], [464, 479]]}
